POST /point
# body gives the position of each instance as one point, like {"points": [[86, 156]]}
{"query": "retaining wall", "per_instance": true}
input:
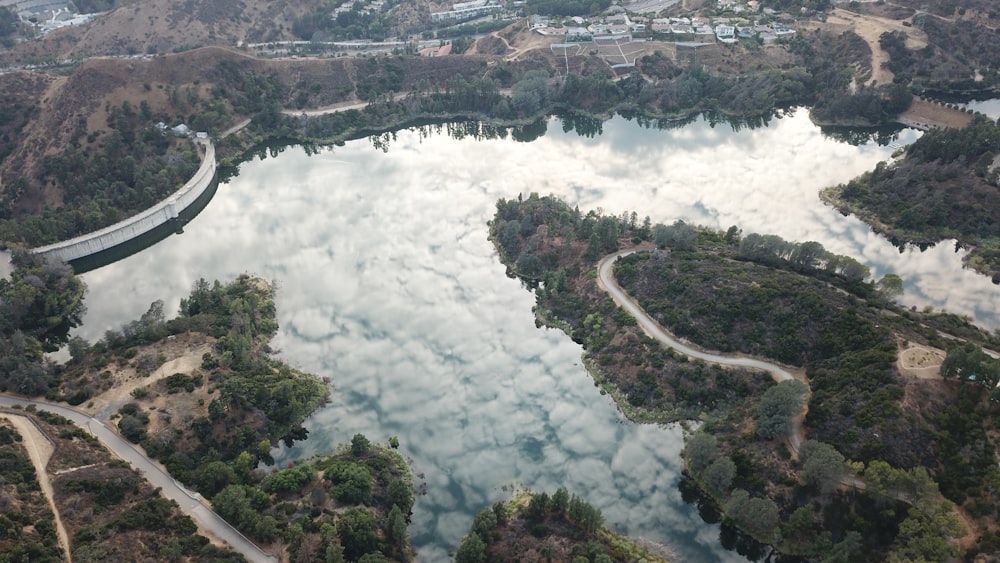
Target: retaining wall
{"points": [[141, 223]]}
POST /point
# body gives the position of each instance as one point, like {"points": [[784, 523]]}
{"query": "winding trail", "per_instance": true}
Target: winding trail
{"points": [[190, 503], [606, 280]]}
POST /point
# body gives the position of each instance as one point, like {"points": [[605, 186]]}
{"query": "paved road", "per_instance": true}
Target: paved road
{"points": [[190, 503], [607, 282]]}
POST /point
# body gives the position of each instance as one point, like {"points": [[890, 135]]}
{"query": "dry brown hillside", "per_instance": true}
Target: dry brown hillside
{"points": [[161, 26], [166, 26], [66, 111]]}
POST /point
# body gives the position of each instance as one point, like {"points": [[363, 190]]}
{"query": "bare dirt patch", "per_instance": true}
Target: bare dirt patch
{"points": [[870, 28], [181, 354], [926, 115], [921, 362]]}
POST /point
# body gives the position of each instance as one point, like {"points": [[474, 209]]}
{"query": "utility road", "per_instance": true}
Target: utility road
{"points": [[607, 282], [190, 503]]}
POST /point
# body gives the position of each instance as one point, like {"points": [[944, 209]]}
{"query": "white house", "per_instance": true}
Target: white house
{"points": [[725, 33]]}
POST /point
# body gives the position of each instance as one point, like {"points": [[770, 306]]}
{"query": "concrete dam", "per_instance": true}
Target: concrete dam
{"points": [[142, 223]]}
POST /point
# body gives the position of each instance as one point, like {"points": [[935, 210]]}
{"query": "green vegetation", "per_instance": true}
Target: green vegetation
{"points": [[308, 507], [955, 53], [134, 166], [561, 527], [340, 508], [109, 511], [761, 295], [255, 401], [778, 406], [944, 188], [39, 304], [566, 7], [356, 23], [27, 528]]}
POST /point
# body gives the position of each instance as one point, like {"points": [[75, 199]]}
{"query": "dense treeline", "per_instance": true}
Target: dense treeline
{"points": [[561, 527], [829, 63], [679, 92], [39, 305], [944, 188], [566, 7], [359, 22]]}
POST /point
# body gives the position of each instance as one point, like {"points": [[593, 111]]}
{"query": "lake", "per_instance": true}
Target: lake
{"points": [[389, 287]]}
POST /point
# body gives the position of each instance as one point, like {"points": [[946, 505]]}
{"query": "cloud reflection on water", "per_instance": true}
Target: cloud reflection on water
{"points": [[390, 288]]}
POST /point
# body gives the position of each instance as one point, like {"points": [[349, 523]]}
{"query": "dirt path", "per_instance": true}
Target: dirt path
{"points": [[607, 282], [40, 451], [870, 28], [185, 357]]}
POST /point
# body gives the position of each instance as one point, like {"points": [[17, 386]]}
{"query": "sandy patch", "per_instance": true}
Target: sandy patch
{"points": [[40, 450], [926, 115], [922, 362], [182, 354], [870, 28]]}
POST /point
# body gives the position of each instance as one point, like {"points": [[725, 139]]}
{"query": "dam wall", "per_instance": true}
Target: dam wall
{"points": [[141, 223]]}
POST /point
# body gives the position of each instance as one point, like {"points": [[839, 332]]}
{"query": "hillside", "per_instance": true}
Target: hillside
{"points": [[71, 132], [944, 188], [151, 27]]}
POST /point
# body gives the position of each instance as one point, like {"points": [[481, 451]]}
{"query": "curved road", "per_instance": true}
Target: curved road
{"points": [[606, 280], [190, 503]]}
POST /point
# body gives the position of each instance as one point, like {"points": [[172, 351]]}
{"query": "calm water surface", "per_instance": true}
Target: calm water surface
{"points": [[389, 286], [990, 107]]}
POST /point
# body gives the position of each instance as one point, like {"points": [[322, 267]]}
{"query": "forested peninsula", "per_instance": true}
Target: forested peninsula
{"points": [[884, 471], [561, 527]]}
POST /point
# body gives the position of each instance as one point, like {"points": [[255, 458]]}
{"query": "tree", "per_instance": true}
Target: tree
{"points": [[719, 475], [889, 287], [822, 465], [213, 477], [356, 529], [472, 550], [968, 362], [679, 236], [807, 255], [42, 299], [778, 406], [800, 530], [396, 529], [560, 501], [400, 494], [701, 449], [926, 537], [353, 482], [483, 525], [759, 516], [359, 445]]}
